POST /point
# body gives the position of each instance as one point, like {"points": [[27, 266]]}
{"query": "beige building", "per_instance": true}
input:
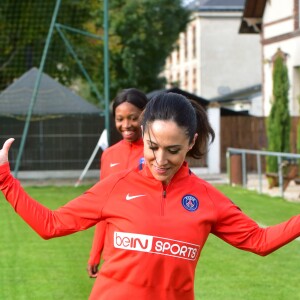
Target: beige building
{"points": [[211, 58], [277, 24]]}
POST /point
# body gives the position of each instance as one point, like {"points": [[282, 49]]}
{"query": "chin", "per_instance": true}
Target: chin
{"points": [[133, 138], [130, 140], [162, 179]]}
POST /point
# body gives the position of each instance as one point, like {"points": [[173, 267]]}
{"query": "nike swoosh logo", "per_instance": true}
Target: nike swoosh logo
{"points": [[112, 165], [128, 197]]}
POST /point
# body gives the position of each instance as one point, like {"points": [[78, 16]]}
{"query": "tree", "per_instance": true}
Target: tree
{"points": [[24, 28], [279, 123], [144, 33], [298, 138], [298, 134], [141, 36]]}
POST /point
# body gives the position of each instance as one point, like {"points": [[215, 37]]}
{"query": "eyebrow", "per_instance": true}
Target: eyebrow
{"points": [[171, 146], [131, 115]]}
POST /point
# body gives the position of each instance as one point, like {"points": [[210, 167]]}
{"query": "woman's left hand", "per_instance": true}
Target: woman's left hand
{"points": [[4, 151], [92, 270]]}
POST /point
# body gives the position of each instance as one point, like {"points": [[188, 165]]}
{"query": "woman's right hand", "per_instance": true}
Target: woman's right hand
{"points": [[4, 151]]}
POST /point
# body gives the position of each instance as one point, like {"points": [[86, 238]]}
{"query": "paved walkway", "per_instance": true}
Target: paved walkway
{"points": [[292, 192]]}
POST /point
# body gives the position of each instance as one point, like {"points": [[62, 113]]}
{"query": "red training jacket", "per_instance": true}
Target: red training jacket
{"points": [[116, 158], [155, 235], [121, 156]]}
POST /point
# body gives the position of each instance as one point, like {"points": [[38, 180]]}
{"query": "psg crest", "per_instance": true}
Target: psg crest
{"points": [[190, 202]]}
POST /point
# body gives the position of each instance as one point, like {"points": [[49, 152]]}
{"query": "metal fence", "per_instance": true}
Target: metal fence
{"points": [[64, 143], [281, 158], [249, 132]]}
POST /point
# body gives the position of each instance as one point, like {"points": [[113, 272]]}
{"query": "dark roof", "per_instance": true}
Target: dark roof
{"points": [[252, 16], [177, 90], [241, 94], [245, 94], [204, 102], [216, 5], [230, 112], [52, 98]]}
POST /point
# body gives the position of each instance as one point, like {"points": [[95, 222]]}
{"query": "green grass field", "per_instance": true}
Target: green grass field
{"points": [[31, 268]]}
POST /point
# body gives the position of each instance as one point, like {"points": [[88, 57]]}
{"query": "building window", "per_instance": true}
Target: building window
{"points": [[185, 45], [178, 53], [297, 14], [186, 79], [296, 89], [194, 41], [194, 79]]}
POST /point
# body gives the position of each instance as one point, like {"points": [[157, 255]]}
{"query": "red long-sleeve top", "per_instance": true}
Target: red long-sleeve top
{"points": [[121, 156], [116, 158], [155, 235]]}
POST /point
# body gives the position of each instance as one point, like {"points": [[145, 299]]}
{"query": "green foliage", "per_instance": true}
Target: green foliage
{"points": [[141, 35], [24, 28], [298, 138], [278, 123], [298, 133]]}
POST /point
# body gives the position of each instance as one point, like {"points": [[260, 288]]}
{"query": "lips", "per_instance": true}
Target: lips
{"points": [[161, 171], [128, 134]]}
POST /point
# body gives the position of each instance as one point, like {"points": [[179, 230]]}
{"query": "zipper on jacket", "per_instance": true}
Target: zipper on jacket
{"points": [[129, 156], [163, 201]]}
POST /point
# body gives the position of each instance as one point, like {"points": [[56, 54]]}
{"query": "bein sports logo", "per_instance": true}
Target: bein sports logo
{"points": [[156, 245]]}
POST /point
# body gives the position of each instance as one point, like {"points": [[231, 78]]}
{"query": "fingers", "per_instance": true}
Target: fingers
{"points": [[95, 269], [4, 151], [92, 271], [7, 144]]}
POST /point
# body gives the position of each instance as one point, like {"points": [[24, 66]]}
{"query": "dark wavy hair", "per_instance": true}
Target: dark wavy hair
{"points": [[132, 96], [186, 113]]}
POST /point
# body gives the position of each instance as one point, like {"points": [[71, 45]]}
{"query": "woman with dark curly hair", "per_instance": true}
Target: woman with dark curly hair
{"points": [[127, 108]]}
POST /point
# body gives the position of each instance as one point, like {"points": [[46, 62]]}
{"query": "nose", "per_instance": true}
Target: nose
{"points": [[126, 123], [161, 158]]}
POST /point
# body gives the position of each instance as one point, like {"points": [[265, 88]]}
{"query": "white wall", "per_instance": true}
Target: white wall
{"points": [[278, 20], [224, 57], [214, 153], [229, 59]]}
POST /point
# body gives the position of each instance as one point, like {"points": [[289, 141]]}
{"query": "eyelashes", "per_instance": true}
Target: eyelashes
{"points": [[133, 119], [169, 150]]}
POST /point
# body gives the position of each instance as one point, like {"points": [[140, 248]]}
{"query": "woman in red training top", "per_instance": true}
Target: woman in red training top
{"points": [[159, 215], [127, 107]]}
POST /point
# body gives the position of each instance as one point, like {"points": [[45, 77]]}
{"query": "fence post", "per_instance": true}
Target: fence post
{"points": [[244, 168], [236, 176], [258, 160], [280, 175], [228, 165]]}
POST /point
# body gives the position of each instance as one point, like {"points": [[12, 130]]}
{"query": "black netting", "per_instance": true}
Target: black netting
{"points": [[66, 122]]}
